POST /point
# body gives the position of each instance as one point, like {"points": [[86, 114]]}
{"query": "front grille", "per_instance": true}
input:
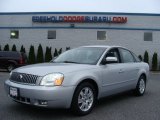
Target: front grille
{"points": [[24, 78]]}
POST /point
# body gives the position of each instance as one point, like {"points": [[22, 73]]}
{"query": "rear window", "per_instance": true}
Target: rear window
{"points": [[9, 54]]}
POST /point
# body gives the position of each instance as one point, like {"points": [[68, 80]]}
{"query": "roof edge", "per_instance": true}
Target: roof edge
{"points": [[92, 13]]}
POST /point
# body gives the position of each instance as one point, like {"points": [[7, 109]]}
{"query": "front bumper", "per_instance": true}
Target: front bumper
{"points": [[54, 97]]}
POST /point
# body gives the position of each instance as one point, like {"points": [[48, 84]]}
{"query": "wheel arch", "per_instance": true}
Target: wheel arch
{"points": [[144, 75], [91, 81]]}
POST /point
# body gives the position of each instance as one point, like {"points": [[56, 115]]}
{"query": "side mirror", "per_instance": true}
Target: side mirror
{"points": [[111, 60]]}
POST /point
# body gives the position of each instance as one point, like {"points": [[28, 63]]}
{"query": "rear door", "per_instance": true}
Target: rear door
{"points": [[130, 68]]}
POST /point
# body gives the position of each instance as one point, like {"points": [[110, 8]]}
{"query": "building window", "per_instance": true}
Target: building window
{"points": [[101, 35], [51, 34], [14, 34], [148, 36]]}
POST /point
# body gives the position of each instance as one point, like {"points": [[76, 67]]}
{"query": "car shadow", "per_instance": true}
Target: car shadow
{"points": [[44, 113]]}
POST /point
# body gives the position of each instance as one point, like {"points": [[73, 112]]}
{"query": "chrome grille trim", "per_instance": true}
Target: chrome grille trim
{"points": [[24, 78]]}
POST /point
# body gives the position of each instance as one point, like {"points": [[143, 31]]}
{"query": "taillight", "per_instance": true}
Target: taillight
{"points": [[21, 61]]}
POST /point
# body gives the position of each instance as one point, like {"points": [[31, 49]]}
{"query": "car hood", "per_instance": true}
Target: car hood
{"points": [[46, 68]]}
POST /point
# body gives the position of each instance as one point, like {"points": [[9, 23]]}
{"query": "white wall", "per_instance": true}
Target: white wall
{"points": [[70, 37]]}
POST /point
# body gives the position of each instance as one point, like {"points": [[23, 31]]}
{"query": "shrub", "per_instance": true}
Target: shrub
{"points": [[55, 53], [67, 48], [6, 47], [14, 48], [60, 51], [40, 57], [146, 57], [48, 54], [31, 57], [155, 62], [23, 49], [140, 57]]}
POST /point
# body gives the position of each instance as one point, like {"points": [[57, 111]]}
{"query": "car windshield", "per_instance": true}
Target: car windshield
{"points": [[82, 55]]}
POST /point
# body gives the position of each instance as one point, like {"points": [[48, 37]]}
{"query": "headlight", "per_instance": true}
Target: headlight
{"points": [[54, 79]]}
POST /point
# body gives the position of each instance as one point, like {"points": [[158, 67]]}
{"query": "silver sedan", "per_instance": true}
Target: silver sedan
{"points": [[78, 78]]}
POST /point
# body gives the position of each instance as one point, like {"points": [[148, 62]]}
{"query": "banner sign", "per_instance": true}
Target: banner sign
{"points": [[79, 19]]}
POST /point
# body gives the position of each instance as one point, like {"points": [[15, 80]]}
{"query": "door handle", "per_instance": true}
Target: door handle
{"points": [[121, 71]]}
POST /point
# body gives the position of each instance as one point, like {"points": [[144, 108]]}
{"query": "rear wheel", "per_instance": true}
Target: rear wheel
{"points": [[84, 99], [10, 67], [141, 86]]}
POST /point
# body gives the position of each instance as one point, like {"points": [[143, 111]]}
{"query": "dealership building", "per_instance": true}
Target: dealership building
{"points": [[137, 31]]}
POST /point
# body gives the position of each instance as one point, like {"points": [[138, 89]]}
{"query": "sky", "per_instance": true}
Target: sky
{"points": [[127, 6]]}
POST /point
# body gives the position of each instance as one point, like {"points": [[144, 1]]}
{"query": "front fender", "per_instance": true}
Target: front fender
{"points": [[74, 78], [144, 70]]}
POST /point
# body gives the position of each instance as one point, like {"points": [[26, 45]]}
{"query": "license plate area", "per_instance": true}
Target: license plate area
{"points": [[13, 92]]}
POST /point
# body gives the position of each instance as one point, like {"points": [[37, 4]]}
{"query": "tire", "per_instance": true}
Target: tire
{"points": [[10, 67], [84, 99], [141, 86]]}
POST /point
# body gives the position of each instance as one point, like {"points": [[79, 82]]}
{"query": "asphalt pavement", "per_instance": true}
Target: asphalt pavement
{"points": [[123, 106]]}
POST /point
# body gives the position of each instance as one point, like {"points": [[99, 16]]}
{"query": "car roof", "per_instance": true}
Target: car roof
{"points": [[104, 46], [9, 51]]}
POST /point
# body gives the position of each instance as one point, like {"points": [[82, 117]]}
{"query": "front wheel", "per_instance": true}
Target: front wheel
{"points": [[83, 99], [141, 86]]}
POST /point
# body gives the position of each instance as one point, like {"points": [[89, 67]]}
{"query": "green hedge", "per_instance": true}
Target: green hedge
{"points": [[146, 57], [31, 56], [40, 57], [6, 47], [155, 62], [140, 57], [48, 54], [22, 49], [14, 48]]}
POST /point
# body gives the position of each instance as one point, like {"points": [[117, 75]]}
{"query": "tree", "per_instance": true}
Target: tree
{"points": [[0, 47], [23, 49], [55, 53], [146, 57], [60, 51], [155, 62], [6, 47], [31, 57], [140, 57], [48, 54], [40, 57], [14, 48]]}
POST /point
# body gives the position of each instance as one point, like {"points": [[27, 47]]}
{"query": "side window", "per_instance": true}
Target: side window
{"points": [[113, 53], [127, 56]]}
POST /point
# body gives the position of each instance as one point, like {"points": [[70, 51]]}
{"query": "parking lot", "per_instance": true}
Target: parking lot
{"points": [[124, 106]]}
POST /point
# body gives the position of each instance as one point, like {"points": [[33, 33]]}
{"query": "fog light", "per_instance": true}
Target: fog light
{"points": [[43, 102]]}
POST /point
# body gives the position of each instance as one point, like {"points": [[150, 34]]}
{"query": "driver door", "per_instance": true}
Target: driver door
{"points": [[112, 74]]}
